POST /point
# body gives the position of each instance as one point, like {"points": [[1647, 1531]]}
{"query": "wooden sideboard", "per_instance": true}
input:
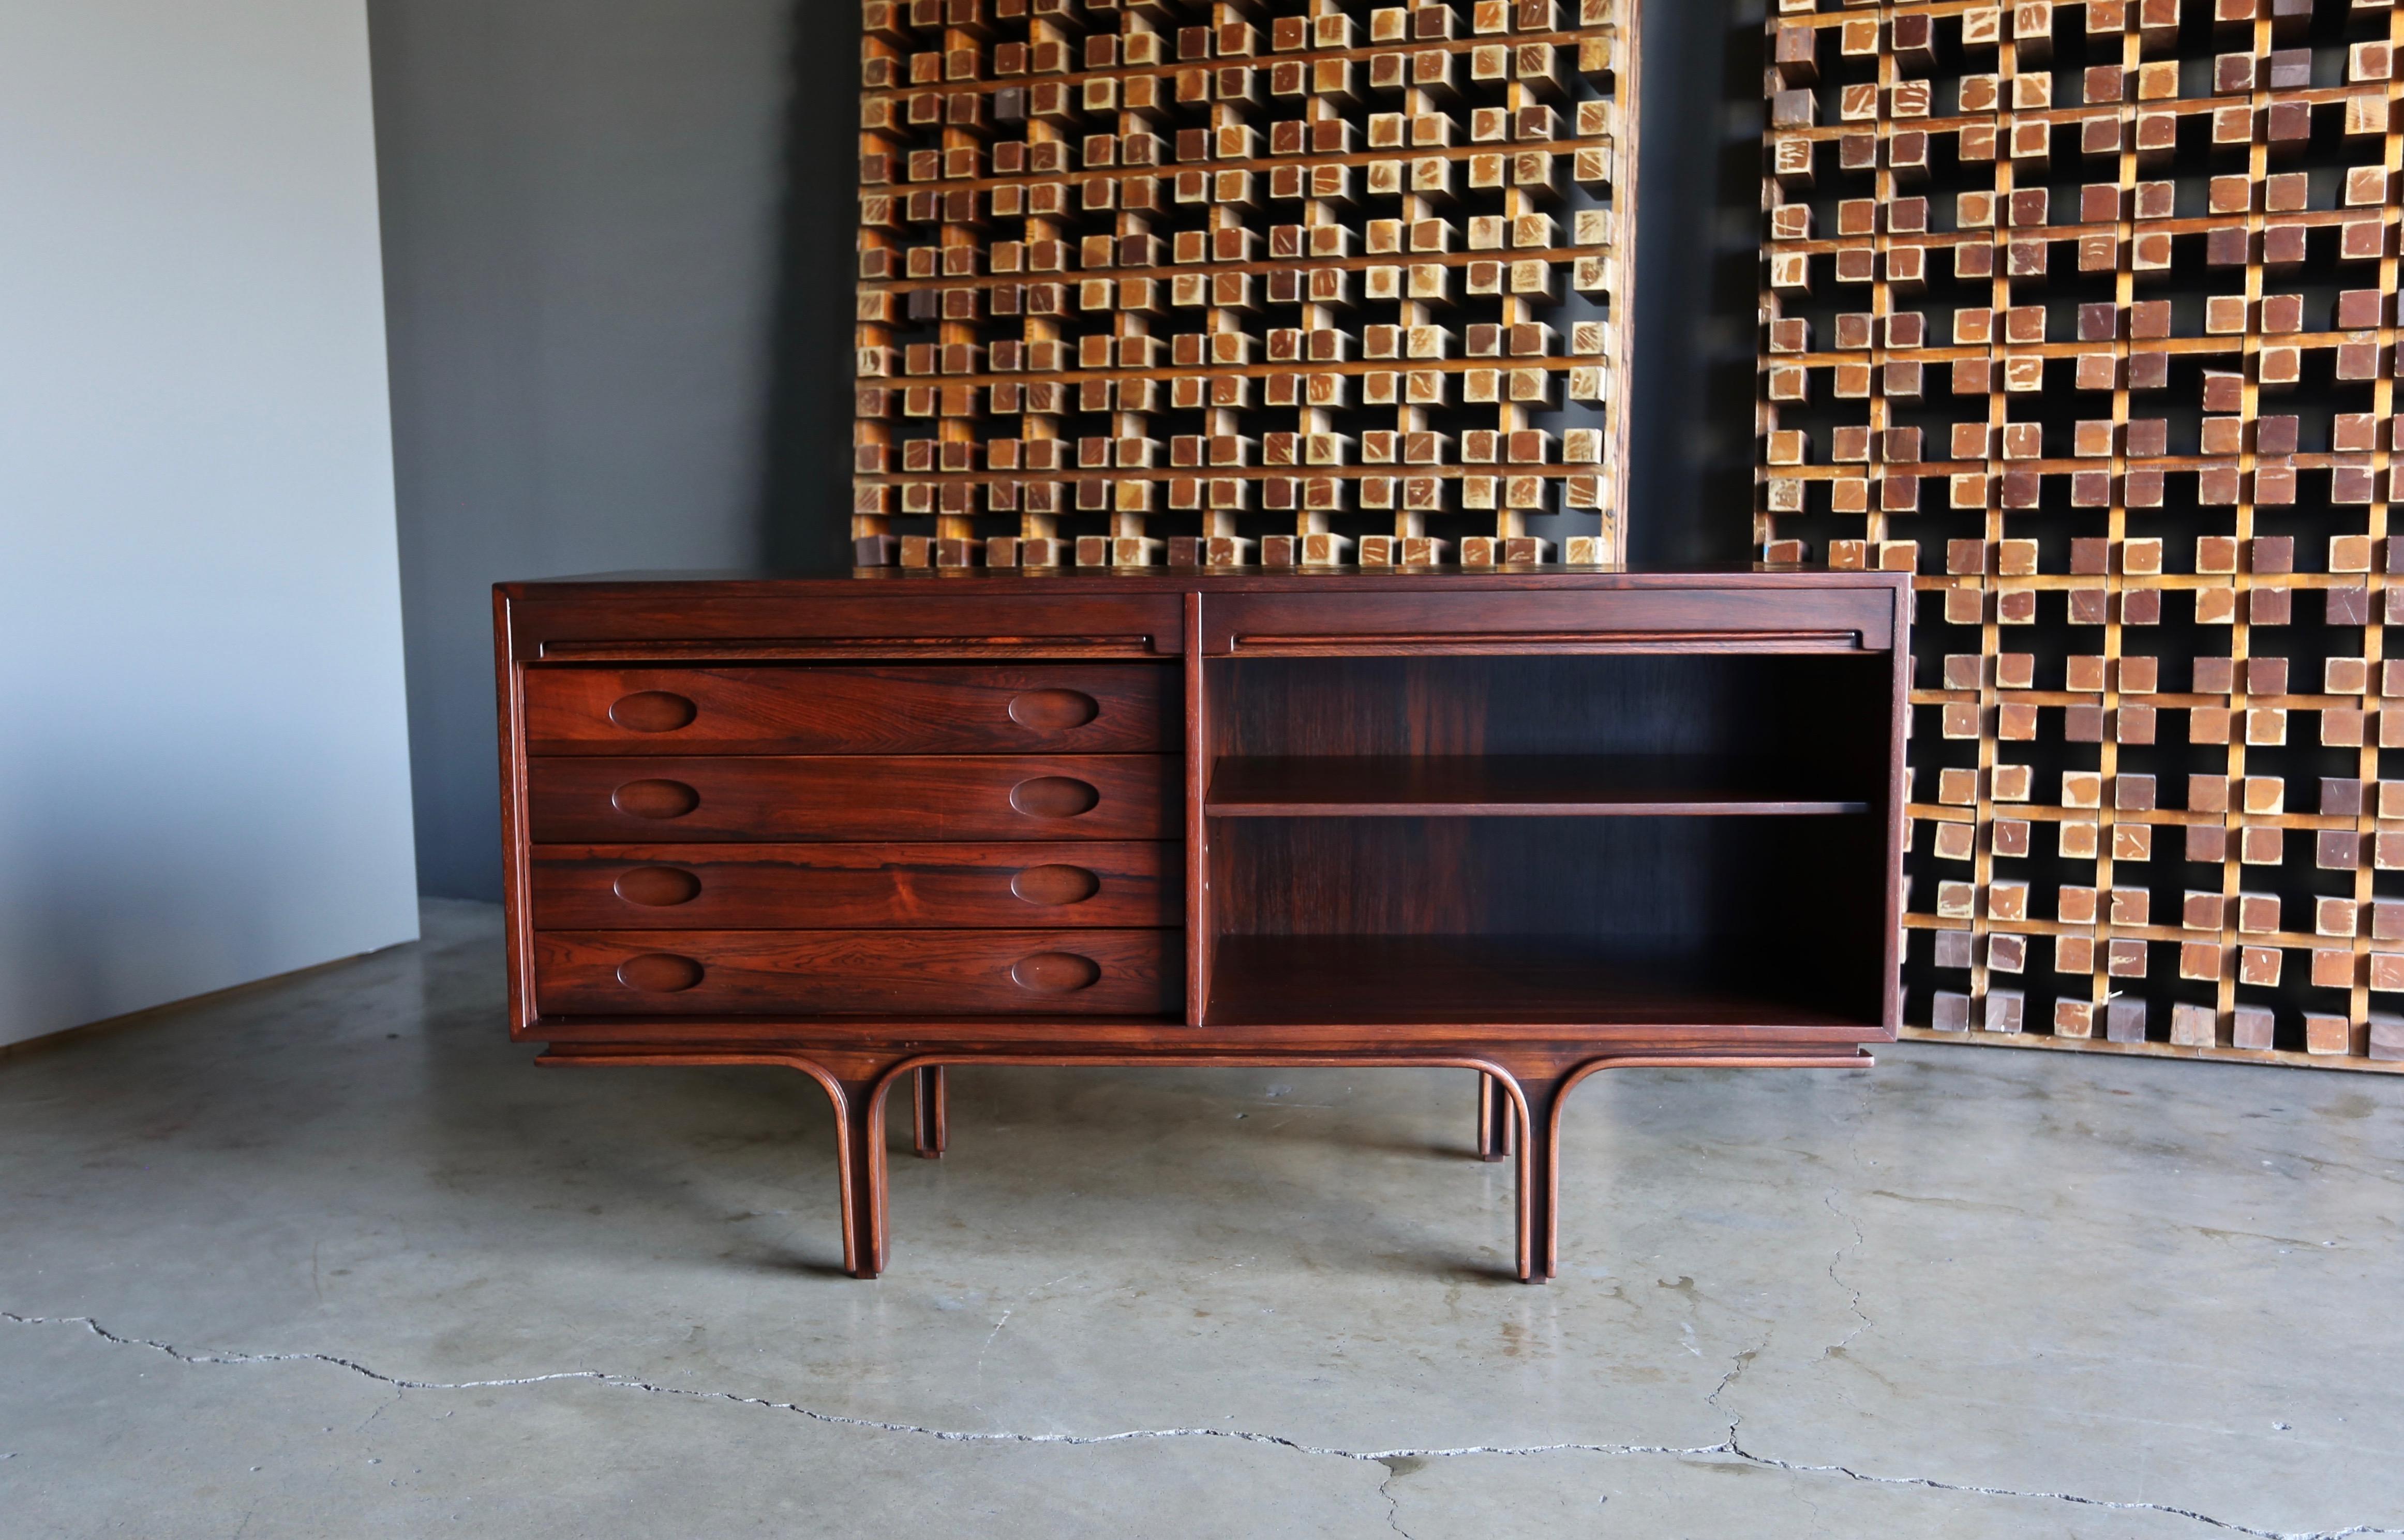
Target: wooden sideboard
{"points": [[1530, 824]]}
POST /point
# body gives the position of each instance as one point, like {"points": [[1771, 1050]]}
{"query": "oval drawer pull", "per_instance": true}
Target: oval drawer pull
{"points": [[655, 799], [658, 887], [1053, 797], [1054, 710], [653, 711], [661, 973], [1055, 885], [1056, 973]]}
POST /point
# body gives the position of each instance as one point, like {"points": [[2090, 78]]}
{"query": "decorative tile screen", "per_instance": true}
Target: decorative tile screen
{"points": [[1295, 282], [2085, 313]]}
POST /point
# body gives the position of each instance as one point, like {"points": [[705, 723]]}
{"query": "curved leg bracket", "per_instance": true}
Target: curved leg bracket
{"points": [[1539, 1108], [1541, 1091], [859, 1102], [1498, 1121], [1519, 1104], [863, 1177], [928, 1104], [860, 1162]]}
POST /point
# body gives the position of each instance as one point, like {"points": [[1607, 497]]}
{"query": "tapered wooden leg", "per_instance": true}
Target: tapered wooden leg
{"points": [[1498, 1120], [1540, 1180], [863, 1178], [928, 1110]]}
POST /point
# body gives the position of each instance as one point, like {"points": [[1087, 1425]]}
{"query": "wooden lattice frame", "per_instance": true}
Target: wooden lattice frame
{"points": [[2077, 573], [1351, 266]]}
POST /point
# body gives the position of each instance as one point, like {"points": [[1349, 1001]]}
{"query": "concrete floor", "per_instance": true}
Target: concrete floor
{"points": [[335, 1259]]}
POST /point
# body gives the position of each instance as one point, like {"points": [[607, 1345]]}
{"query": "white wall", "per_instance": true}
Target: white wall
{"points": [[203, 764]]}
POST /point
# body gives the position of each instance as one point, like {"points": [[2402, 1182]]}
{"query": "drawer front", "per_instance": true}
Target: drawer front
{"points": [[1059, 708], [852, 798], [858, 973], [857, 886]]}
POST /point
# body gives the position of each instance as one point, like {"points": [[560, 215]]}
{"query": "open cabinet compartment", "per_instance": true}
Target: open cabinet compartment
{"points": [[1605, 840]]}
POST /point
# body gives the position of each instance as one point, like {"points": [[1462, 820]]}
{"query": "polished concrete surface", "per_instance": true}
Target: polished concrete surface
{"points": [[334, 1258]]}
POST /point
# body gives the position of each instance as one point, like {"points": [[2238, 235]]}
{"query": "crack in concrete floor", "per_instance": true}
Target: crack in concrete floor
{"points": [[1853, 1300], [1728, 1446], [1395, 1470]]}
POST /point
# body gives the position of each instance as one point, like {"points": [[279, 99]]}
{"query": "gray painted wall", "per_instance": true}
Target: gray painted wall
{"points": [[618, 248], [203, 779], [1698, 284]]}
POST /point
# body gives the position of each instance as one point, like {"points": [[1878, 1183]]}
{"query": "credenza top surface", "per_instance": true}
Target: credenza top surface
{"points": [[856, 582]]}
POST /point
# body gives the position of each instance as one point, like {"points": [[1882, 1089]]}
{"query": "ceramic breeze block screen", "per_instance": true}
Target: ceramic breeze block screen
{"points": [[1290, 283], [2085, 313]]}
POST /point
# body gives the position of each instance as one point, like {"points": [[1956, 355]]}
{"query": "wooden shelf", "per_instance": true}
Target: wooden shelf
{"points": [[1499, 980], [1513, 785]]}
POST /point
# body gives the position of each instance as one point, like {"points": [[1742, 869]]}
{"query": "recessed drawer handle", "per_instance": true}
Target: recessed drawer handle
{"points": [[655, 799], [1054, 710], [658, 887], [653, 711], [1056, 886], [1056, 973], [660, 973], [1052, 797]]}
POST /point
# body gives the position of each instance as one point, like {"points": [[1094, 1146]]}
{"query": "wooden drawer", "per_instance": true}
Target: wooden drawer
{"points": [[1055, 709], [858, 973], [593, 801], [855, 886]]}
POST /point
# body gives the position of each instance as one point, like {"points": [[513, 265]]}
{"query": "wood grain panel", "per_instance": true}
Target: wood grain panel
{"points": [[810, 972], [1410, 981], [1521, 785], [1061, 708], [583, 801], [850, 886], [1838, 618]]}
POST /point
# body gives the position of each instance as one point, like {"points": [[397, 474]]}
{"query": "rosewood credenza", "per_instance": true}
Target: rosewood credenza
{"points": [[1528, 824]]}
